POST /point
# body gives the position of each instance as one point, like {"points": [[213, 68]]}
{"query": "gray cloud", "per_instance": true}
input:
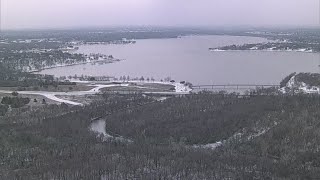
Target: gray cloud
{"points": [[82, 13]]}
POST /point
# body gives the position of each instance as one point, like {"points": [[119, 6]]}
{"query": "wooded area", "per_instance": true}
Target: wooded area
{"points": [[53, 146]]}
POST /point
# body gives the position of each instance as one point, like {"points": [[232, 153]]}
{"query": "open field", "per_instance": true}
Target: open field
{"points": [[80, 97], [59, 88], [142, 87]]}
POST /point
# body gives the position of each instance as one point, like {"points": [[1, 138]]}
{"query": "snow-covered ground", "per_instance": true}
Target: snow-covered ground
{"points": [[212, 146], [53, 95], [240, 137], [217, 50], [180, 89], [99, 127]]}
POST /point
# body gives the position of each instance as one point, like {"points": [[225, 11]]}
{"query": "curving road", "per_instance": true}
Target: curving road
{"points": [[180, 90], [53, 95]]}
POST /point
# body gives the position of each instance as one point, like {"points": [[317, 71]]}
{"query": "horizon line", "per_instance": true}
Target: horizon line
{"points": [[212, 27]]}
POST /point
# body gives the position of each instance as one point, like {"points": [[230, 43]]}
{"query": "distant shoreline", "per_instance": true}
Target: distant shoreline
{"points": [[263, 50]]}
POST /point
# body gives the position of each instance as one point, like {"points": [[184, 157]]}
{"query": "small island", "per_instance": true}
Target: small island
{"points": [[272, 46]]}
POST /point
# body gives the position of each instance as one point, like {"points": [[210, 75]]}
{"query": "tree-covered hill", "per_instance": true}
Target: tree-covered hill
{"points": [[263, 137]]}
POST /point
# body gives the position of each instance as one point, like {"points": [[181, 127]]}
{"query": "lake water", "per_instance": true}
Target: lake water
{"points": [[189, 59]]}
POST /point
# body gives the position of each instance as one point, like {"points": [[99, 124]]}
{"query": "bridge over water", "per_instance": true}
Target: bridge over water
{"points": [[234, 86], [239, 88]]}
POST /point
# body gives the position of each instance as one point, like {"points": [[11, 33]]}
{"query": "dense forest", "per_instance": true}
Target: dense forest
{"points": [[16, 78], [28, 61], [263, 137]]}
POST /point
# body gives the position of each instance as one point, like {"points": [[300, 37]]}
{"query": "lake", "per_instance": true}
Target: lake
{"points": [[188, 58]]}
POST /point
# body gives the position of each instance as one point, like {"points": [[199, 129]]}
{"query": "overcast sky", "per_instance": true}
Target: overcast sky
{"points": [[90, 13]]}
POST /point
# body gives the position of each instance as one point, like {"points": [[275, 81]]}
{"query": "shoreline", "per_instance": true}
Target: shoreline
{"points": [[265, 50], [107, 61]]}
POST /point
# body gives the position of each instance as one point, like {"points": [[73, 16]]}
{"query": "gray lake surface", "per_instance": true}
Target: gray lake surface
{"points": [[188, 58]]}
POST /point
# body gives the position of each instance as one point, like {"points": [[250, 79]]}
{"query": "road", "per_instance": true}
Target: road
{"points": [[53, 95], [180, 89]]}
